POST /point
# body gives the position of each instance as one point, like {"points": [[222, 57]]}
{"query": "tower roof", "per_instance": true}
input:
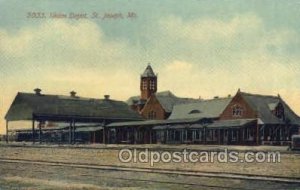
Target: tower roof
{"points": [[148, 72]]}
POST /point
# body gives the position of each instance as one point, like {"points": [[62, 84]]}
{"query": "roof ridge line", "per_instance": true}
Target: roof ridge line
{"points": [[69, 97], [215, 98], [262, 95]]}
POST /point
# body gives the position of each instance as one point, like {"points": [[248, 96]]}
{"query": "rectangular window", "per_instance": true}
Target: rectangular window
{"points": [[152, 85], [151, 115], [237, 111], [144, 85]]}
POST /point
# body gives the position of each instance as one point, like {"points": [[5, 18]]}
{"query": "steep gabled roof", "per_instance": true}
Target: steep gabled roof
{"points": [[168, 102], [166, 98], [264, 105], [134, 99], [148, 72], [27, 104], [200, 109]]}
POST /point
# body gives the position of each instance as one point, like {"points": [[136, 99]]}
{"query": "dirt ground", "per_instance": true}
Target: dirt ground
{"points": [[16, 176], [289, 165]]}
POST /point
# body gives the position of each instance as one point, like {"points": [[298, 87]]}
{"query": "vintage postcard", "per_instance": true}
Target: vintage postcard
{"points": [[137, 94]]}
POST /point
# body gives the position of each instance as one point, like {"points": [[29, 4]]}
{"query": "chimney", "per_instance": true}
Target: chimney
{"points": [[106, 97], [37, 91], [73, 94]]}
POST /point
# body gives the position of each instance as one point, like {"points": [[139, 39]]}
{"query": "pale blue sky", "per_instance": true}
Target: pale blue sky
{"points": [[198, 48]]}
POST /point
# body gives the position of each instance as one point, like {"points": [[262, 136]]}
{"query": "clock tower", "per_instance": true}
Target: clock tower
{"points": [[148, 84]]}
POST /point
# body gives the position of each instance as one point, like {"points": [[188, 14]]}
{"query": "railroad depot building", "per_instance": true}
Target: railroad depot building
{"points": [[156, 117]]}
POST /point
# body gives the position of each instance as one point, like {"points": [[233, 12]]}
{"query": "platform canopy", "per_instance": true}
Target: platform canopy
{"points": [[234, 123], [88, 129], [153, 122]]}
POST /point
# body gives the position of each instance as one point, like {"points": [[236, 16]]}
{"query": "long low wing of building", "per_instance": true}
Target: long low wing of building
{"points": [[248, 119], [244, 119], [29, 106], [40, 108]]}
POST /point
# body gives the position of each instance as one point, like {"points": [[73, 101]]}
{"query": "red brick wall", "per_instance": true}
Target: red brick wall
{"points": [[134, 107], [153, 105], [146, 93], [248, 112]]}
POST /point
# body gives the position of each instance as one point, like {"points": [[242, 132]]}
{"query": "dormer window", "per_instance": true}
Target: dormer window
{"points": [[279, 111], [195, 111], [237, 111]]}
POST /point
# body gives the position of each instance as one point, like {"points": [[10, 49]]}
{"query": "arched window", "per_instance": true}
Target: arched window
{"points": [[195, 111], [237, 111]]}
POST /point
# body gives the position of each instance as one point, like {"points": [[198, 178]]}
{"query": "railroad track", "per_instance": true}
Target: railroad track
{"points": [[144, 180], [157, 148], [223, 175]]}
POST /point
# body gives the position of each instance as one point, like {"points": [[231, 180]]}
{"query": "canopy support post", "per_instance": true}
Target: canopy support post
{"points": [[6, 138], [33, 130], [257, 134], [73, 131], [70, 132], [40, 132], [103, 132], [150, 136]]}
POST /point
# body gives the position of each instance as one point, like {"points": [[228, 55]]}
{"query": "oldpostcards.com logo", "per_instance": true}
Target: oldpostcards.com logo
{"points": [[185, 156]]}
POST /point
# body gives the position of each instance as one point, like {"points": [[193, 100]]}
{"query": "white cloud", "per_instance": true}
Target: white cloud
{"points": [[61, 43], [82, 35], [59, 56], [254, 76], [207, 39], [221, 56], [178, 66], [201, 57], [207, 29]]}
